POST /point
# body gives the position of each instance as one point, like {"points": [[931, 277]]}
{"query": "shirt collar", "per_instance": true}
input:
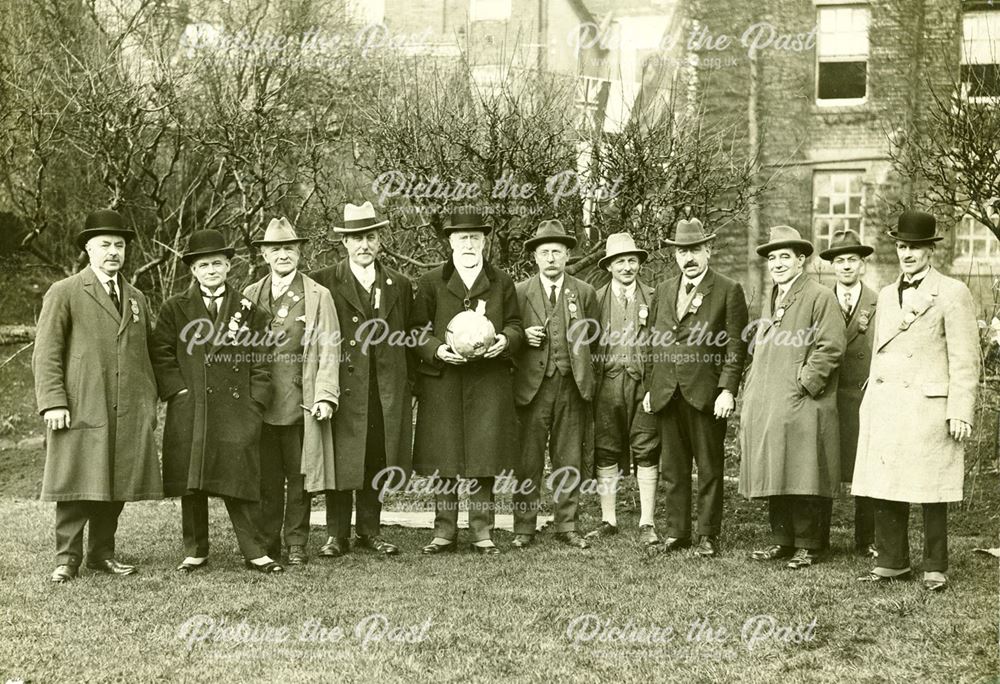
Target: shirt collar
{"points": [[695, 281], [618, 289], [854, 289], [783, 289], [547, 283], [917, 276], [468, 274], [103, 278], [364, 274], [284, 281], [218, 291]]}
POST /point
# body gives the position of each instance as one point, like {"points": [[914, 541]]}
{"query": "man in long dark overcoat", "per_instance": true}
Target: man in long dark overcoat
{"points": [[210, 356], [466, 424], [373, 430], [96, 392]]}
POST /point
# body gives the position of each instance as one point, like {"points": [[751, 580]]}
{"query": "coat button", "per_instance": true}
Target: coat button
{"points": [[878, 381], [354, 319], [353, 342], [209, 390], [236, 395], [861, 355], [909, 355], [350, 369], [347, 390]]}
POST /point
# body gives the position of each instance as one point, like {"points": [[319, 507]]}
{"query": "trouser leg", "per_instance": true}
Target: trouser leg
{"points": [[675, 468], [566, 453], [242, 516], [935, 537], [368, 504], [779, 515], [892, 534], [481, 510], [338, 513], [534, 420], [864, 522], [808, 514], [446, 509], [272, 488], [71, 517], [194, 524], [103, 526], [298, 502]]}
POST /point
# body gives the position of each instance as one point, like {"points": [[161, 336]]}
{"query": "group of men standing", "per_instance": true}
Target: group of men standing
{"points": [[302, 384]]}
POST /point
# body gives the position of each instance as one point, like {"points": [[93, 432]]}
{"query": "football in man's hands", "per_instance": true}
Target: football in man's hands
{"points": [[470, 334]]}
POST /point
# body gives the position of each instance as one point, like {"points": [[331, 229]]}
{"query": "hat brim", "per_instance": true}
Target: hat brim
{"points": [[804, 245], [485, 230], [567, 240], [695, 243], [861, 250], [191, 256], [289, 241], [342, 230], [904, 238], [606, 260], [84, 235]]}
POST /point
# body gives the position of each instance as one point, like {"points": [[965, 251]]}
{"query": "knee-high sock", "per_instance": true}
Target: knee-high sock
{"points": [[607, 482], [646, 476]]}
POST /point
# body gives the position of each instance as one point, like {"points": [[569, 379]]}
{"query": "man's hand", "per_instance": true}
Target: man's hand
{"points": [[535, 335], [725, 404], [497, 347], [448, 356], [323, 410], [647, 404], [959, 429], [56, 419]]}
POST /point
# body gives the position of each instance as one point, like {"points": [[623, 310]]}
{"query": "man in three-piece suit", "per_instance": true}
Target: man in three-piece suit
{"points": [[623, 432], [553, 385], [857, 302], [96, 392], [296, 437], [374, 427], [692, 382], [789, 430], [918, 406], [466, 424], [209, 352]]}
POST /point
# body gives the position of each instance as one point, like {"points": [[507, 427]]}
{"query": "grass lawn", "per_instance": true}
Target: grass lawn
{"points": [[505, 616]]}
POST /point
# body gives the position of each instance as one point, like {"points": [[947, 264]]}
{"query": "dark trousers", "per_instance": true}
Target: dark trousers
{"points": [[194, 525], [72, 516], [892, 535], [864, 522], [339, 503], [624, 434], [482, 509], [687, 435], [284, 502], [799, 521], [557, 414]]}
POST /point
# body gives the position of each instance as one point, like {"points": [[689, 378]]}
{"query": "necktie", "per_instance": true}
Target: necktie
{"points": [[552, 295], [113, 292], [688, 287], [846, 299], [213, 301]]}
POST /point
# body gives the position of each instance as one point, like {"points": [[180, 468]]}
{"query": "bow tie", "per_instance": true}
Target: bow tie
{"points": [[903, 285]]}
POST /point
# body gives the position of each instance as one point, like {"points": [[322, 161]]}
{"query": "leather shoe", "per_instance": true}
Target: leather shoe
{"points": [[803, 558], [676, 543], [297, 555], [433, 549], [191, 567], [485, 550], [707, 547], [605, 529], [876, 578], [266, 568], [647, 536], [64, 573], [335, 547], [522, 541], [364, 541], [939, 583], [775, 552], [112, 567], [573, 539]]}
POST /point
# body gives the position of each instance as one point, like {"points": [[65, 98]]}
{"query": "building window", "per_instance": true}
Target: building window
{"points": [[842, 55], [489, 10], [981, 54], [975, 241], [591, 102], [838, 202]]}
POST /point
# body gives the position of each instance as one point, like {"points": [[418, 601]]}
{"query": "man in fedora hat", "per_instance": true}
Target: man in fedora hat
{"points": [[857, 302], [466, 424], [296, 440], [96, 392], [918, 406], [623, 433], [789, 431], [374, 430], [692, 382], [209, 353], [553, 386]]}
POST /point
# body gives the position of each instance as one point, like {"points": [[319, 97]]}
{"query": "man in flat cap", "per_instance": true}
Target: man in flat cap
{"points": [[373, 429], [209, 350], [623, 433], [693, 381], [857, 302], [918, 406], [789, 431], [296, 437], [97, 395], [553, 386], [466, 424]]}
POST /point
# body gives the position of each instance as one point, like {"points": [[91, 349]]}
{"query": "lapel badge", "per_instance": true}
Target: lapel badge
{"points": [[135, 309]]}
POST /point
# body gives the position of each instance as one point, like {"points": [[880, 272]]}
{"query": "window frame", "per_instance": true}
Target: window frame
{"points": [[967, 13], [843, 101], [850, 173]]}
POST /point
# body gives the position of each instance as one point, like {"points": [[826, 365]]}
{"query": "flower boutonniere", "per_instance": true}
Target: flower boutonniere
{"points": [[699, 297], [571, 303], [643, 314], [914, 305], [864, 318], [134, 306], [236, 321], [778, 315]]}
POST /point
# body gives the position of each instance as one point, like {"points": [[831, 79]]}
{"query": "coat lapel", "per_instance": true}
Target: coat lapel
{"points": [[865, 303], [535, 298], [230, 304], [345, 277], [390, 292], [128, 296], [704, 287], [673, 285], [94, 288], [891, 324]]}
